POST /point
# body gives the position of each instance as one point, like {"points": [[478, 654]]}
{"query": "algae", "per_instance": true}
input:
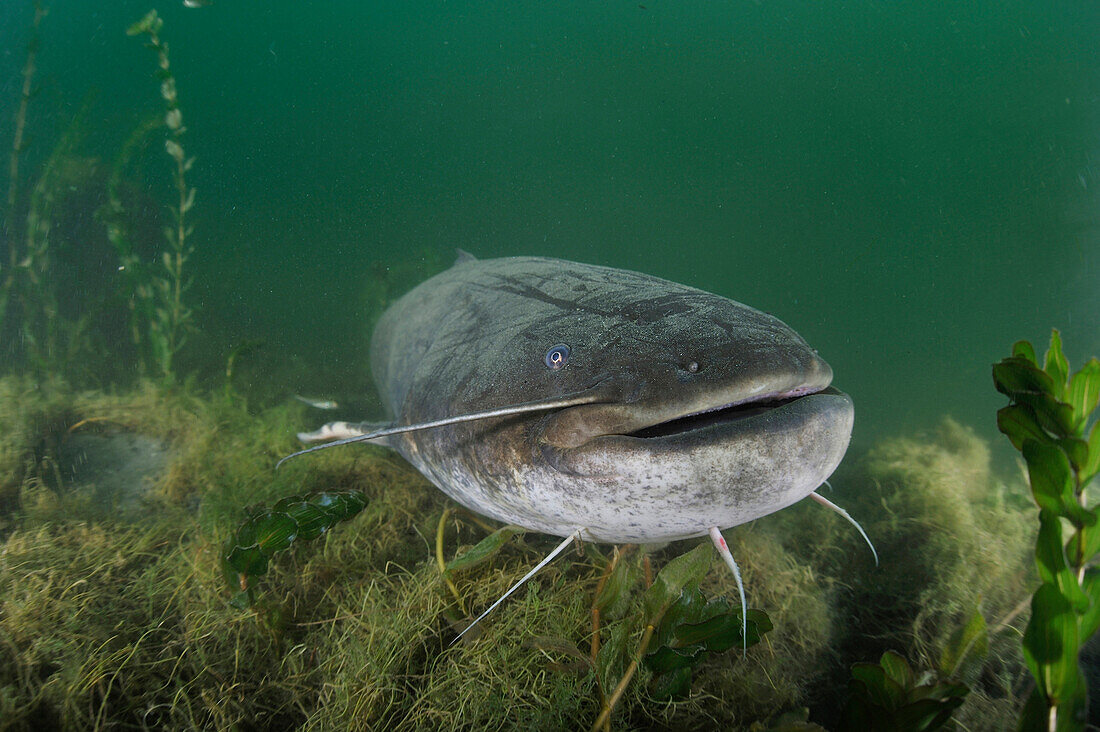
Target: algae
{"points": [[953, 538], [122, 619]]}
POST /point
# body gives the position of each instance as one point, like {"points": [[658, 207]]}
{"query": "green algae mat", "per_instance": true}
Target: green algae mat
{"points": [[115, 612]]}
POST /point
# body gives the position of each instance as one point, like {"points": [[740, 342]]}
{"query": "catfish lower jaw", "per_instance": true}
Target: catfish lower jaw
{"points": [[805, 435]]}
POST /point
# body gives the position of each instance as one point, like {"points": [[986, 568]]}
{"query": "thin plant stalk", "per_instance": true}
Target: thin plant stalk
{"points": [[171, 316], [7, 282]]}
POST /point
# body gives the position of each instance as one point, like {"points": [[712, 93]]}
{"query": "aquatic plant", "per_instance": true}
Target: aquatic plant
{"points": [[30, 315], [1048, 421], [953, 536], [679, 628], [270, 530], [48, 292], [24, 280], [51, 341], [692, 629], [889, 696], [137, 278], [8, 279], [171, 317], [683, 626]]}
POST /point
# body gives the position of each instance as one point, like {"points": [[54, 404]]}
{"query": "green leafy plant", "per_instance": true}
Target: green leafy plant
{"points": [[171, 318], [270, 530], [691, 630], [136, 277], [679, 628], [29, 310], [889, 696], [683, 625], [1047, 421]]}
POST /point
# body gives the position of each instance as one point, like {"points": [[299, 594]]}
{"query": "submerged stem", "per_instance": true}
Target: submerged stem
{"points": [[443, 564], [643, 646]]}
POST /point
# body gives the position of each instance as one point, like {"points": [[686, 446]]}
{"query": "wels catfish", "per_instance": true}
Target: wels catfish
{"points": [[600, 404]]}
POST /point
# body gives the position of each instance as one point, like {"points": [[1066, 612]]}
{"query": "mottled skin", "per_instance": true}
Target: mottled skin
{"points": [[475, 337]]}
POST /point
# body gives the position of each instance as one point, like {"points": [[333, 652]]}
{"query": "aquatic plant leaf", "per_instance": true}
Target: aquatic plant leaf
{"points": [[1051, 561], [1016, 375], [241, 600], [1053, 484], [878, 703], [275, 532], [689, 631], [1090, 620], [1076, 450], [673, 685], [247, 560], [883, 697], [879, 688], [149, 24], [1050, 643], [666, 659], [312, 521], [688, 607], [1056, 365], [1092, 465], [1019, 423], [1052, 415], [1025, 350], [339, 505], [1073, 711], [270, 530], [1084, 391], [614, 653], [929, 714], [969, 643], [1081, 550], [173, 148], [620, 581], [1035, 717], [694, 620], [484, 549], [1047, 492], [897, 668], [723, 632], [685, 571]]}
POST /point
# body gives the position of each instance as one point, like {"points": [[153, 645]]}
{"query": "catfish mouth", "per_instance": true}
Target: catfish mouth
{"points": [[661, 411], [726, 414]]}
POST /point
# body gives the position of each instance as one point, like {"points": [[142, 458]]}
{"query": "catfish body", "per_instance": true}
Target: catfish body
{"points": [[699, 411]]}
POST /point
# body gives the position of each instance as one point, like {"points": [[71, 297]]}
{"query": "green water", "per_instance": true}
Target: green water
{"points": [[911, 185]]}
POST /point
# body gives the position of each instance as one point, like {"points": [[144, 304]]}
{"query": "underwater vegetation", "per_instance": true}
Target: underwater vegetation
{"points": [[78, 242], [171, 318], [1049, 422], [123, 617]]}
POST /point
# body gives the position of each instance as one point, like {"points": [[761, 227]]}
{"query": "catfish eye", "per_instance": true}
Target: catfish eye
{"points": [[557, 357]]}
